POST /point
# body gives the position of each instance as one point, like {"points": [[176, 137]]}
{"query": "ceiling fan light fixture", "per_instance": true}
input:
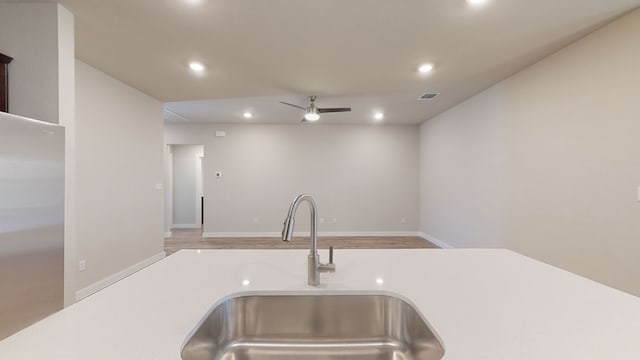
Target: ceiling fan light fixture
{"points": [[311, 116], [312, 113]]}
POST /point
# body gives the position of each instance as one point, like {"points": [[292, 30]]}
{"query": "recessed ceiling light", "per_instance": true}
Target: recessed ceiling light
{"points": [[247, 115], [425, 68], [476, 2], [196, 66], [378, 115]]}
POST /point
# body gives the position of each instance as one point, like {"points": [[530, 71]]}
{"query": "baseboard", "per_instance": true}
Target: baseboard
{"points": [[186, 226], [92, 289], [240, 234], [306, 233], [369, 233], [168, 234], [435, 241]]}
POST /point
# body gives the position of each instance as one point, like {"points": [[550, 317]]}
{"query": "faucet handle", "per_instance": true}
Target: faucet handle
{"points": [[330, 266]]}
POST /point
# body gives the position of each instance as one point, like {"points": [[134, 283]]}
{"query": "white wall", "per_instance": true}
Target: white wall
{"points": [[366, 177], [29, 34], [119, 152], [547, 162], [67, 118], [186, 187]]}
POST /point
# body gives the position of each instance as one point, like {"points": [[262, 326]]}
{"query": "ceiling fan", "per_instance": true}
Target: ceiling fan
{"points": [[313, 112]]}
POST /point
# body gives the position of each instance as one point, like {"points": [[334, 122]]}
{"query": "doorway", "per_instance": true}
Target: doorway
{"points": [[184, 190]]}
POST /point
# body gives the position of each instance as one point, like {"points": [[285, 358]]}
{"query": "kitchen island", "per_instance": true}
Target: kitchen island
{"points": [[483, 304]]}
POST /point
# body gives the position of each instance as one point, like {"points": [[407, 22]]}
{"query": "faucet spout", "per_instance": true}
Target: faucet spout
{"points": [[314, 265], [287, 231]]}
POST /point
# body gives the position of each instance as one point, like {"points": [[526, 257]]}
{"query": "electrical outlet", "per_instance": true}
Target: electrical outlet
{"points": [[335, 220], [82, 265], [403, 220], [255, 220], [321, 220]]}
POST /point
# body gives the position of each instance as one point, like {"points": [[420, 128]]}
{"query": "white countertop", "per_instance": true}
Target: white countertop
{"points": [[484, 304]]}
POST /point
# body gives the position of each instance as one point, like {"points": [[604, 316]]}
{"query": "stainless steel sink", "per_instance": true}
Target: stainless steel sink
{"points": [[328, 327]]}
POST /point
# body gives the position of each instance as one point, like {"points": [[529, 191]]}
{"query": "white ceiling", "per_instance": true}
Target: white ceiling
{"points": [[362, 54]]}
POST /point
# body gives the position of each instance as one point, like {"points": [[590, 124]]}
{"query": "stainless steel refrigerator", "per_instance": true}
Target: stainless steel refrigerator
{"points": [[31, 221]]}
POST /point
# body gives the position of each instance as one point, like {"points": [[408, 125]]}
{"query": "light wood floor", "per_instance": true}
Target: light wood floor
{"points": [[192, 239]]}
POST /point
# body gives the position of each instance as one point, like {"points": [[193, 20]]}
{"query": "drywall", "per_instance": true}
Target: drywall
{"points": [[119, 159], [67, 118], [547, 162], [364, 177], [29, 34], [186, 185]]}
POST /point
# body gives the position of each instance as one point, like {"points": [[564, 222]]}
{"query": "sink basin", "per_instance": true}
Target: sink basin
{"points": [[328, 327]]}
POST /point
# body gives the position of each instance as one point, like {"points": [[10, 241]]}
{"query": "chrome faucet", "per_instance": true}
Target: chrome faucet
{"points": [[314, 266]]}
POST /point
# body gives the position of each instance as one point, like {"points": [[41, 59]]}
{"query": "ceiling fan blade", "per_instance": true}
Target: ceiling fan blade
{"points": [[331, 110], [294, 105]]}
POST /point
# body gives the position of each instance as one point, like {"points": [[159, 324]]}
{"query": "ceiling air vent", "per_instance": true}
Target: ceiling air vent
{"points": [[428, 96], [172, 116]]}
